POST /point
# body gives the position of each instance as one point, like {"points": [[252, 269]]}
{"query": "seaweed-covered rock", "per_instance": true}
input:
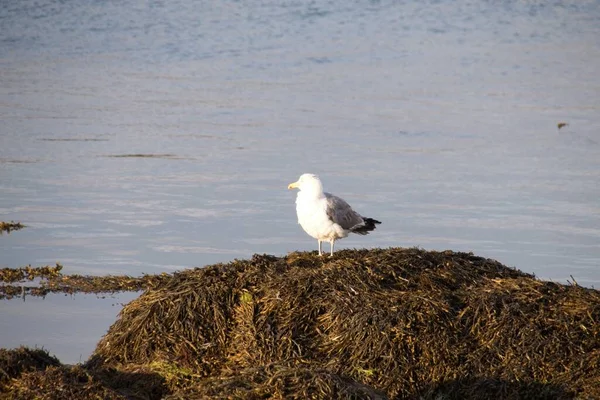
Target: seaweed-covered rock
{"points": [[17, 361], [404, 322], [60, 382], [54, 381]]}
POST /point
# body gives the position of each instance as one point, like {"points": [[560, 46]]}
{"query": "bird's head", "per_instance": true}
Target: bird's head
{"points": [[307, 182]]}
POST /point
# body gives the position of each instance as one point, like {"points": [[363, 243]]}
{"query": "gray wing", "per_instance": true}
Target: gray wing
{"points": [[341, 213]]}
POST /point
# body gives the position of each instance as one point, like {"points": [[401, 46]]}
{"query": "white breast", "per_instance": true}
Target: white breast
{"points": [[312, 216]]}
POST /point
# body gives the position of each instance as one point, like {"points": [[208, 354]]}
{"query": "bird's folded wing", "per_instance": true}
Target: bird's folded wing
{"points": [[341, 213]]}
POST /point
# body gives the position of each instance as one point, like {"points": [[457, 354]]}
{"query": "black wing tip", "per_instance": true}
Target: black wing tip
{"points": [[368, 226]]}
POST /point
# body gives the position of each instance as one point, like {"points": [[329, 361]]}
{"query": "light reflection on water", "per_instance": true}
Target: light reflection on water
{"points": [[67, 326], [437, 119]]}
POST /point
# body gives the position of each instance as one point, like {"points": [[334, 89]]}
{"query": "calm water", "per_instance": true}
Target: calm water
{"points": [[438, 119]]}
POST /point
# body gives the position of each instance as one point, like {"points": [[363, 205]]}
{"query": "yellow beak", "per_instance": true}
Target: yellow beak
{"points": [[293, 185]]}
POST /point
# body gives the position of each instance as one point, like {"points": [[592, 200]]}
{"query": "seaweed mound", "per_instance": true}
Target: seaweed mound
{"points": [[383, 323], [15, 362], [34, 374], [56, 383]]}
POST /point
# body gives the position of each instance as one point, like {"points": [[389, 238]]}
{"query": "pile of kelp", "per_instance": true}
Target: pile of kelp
{"points": [[364, 324]]}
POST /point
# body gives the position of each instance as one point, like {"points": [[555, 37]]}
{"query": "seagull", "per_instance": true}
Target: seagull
{"points": [[324, 216]]}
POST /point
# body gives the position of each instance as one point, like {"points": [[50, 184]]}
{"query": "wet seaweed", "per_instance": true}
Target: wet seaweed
{"points": [[60, 382], [10, 226], [398, 320], [364, 324], [29, 273], [17, 361], [279, 382], [51, 280], [35, 374]]}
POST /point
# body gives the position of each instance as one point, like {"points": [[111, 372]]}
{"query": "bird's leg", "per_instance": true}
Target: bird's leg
{"points": [[332, 242], [320, 252]]}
